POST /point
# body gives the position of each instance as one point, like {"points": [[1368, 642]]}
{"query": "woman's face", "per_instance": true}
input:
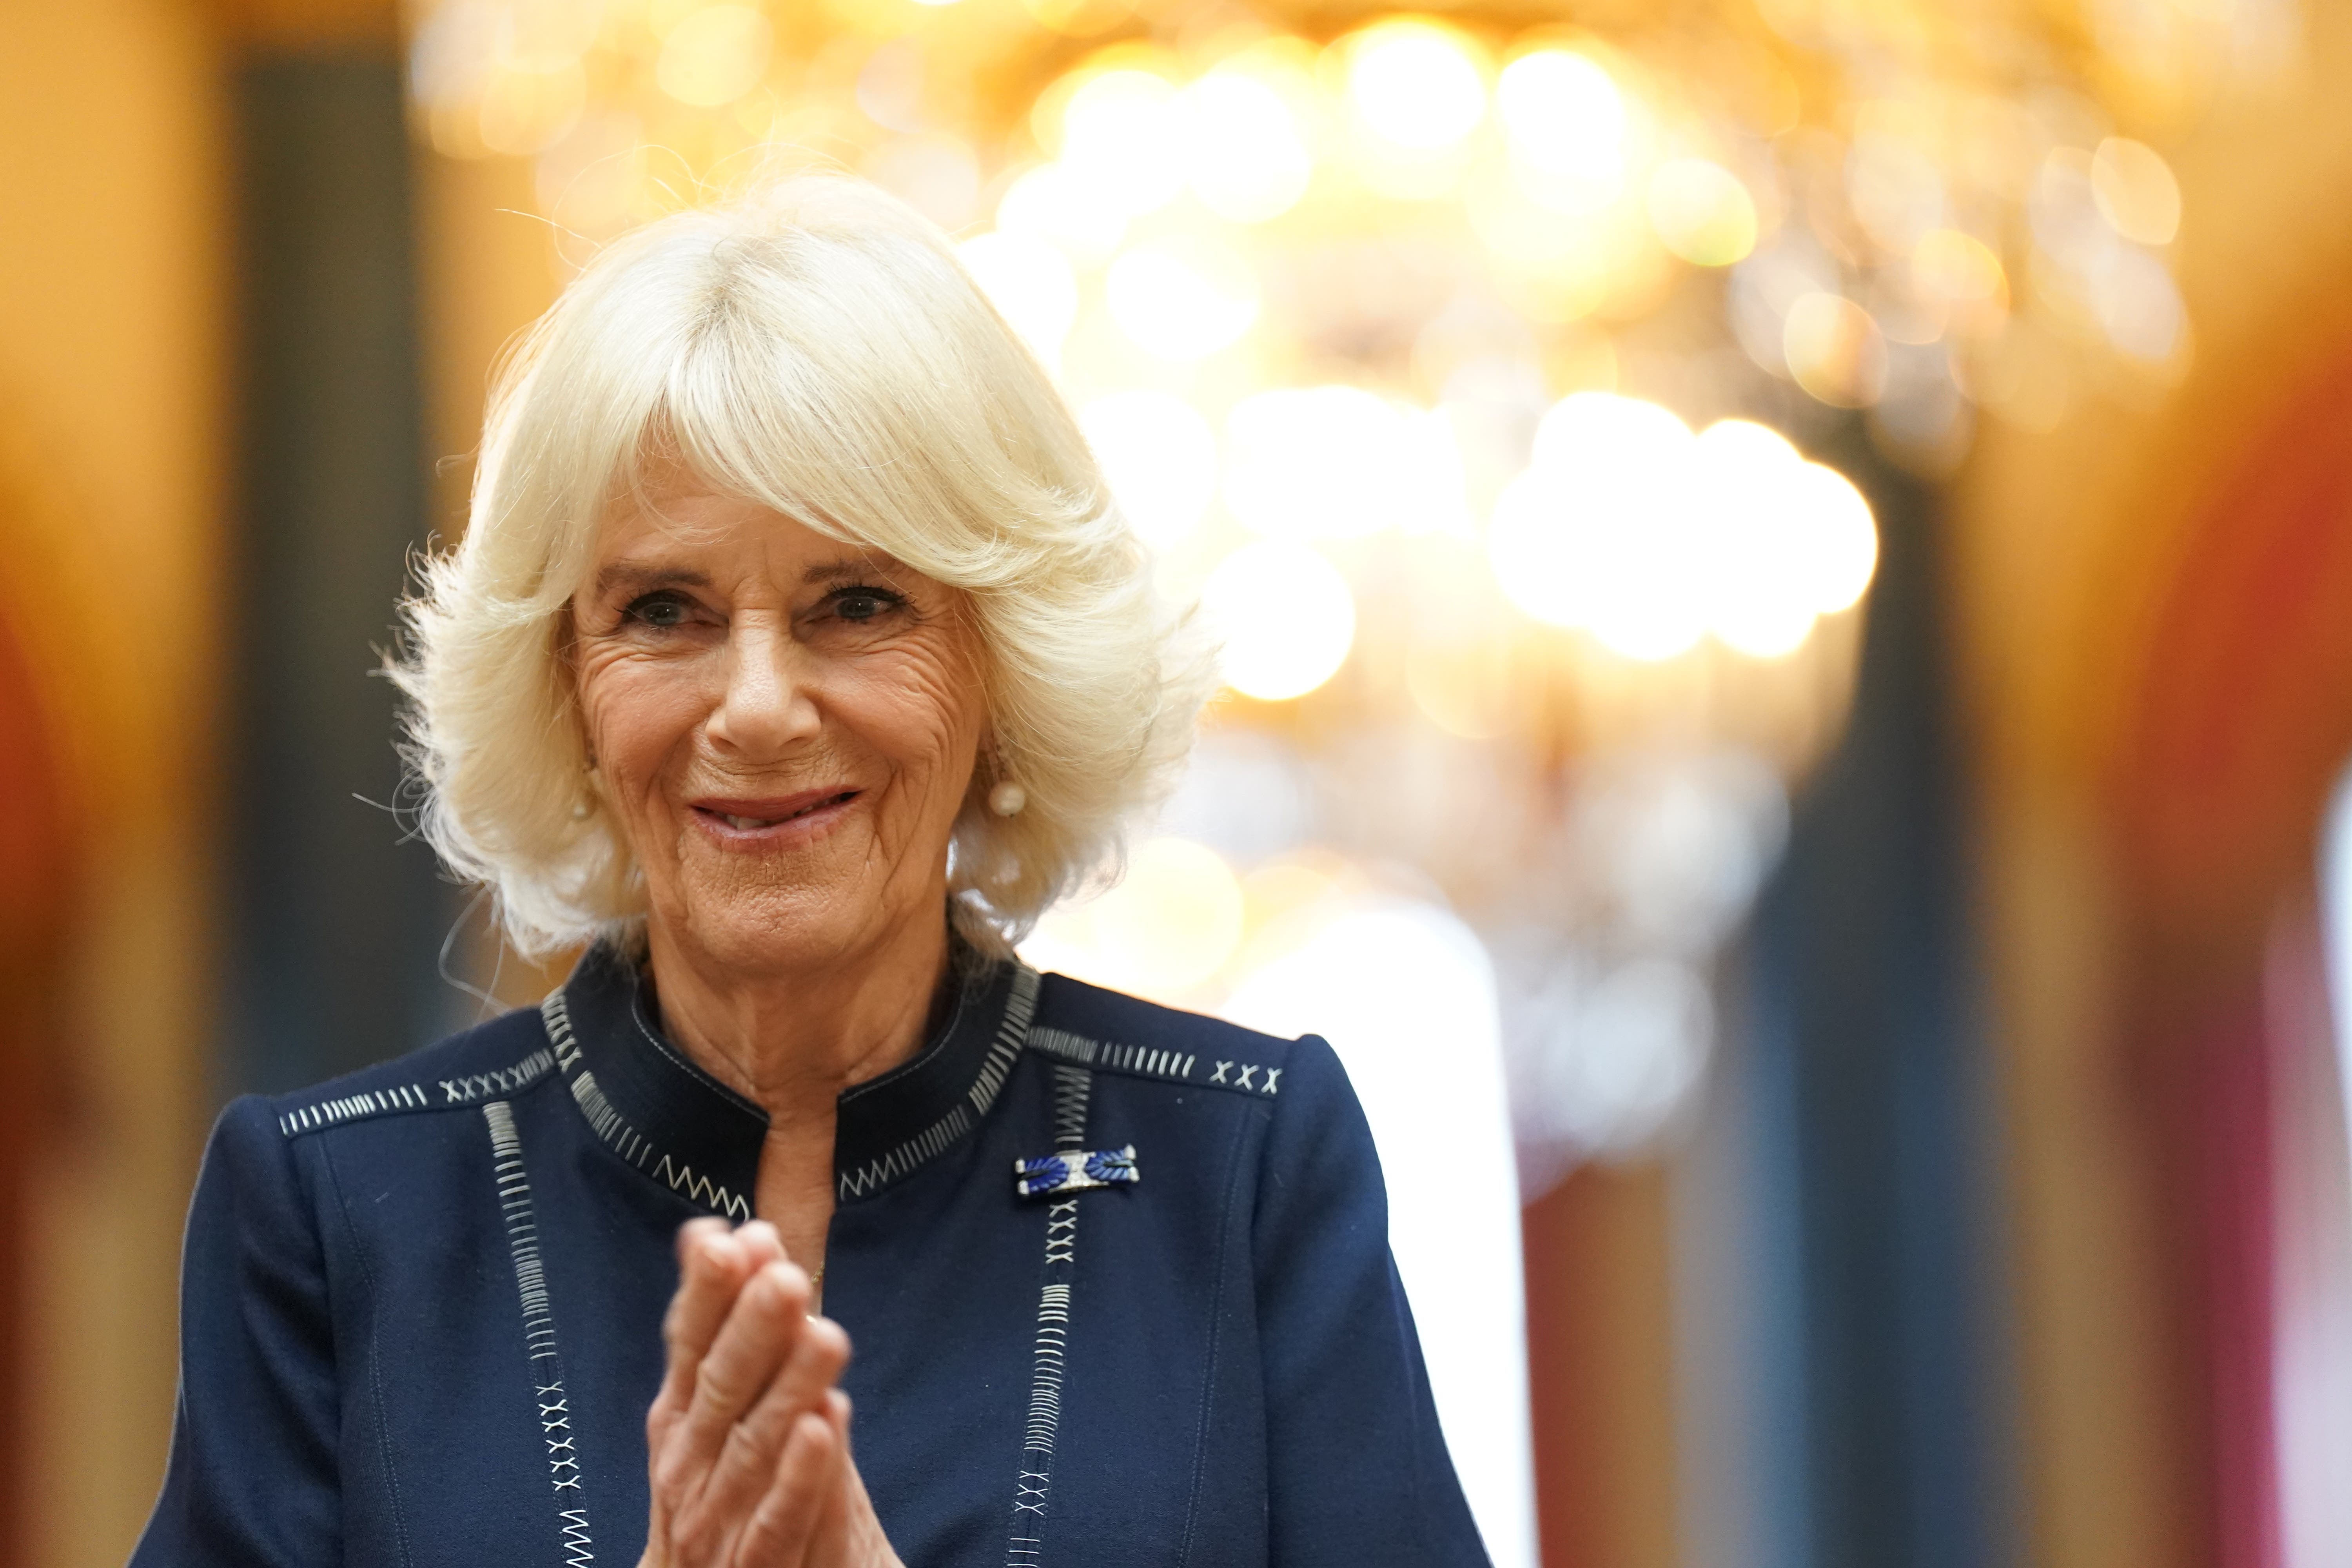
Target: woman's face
{"points": [[784, 727]]}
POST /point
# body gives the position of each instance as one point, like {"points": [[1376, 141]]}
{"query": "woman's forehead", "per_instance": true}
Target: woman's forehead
{"points": [[698, 531]]}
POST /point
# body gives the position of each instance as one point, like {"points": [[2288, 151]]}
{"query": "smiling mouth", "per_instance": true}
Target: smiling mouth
{"points": [[775, 815]]}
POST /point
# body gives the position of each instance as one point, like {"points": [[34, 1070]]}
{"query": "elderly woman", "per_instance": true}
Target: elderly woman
{"points": [[793, 661]]}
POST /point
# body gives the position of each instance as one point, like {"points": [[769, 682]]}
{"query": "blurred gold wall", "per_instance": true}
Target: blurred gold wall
{"points": [[2071, 544], [112, 437]]}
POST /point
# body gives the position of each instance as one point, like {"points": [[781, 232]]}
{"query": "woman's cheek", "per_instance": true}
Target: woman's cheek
{"points": [[636, 710], [926, 704]]}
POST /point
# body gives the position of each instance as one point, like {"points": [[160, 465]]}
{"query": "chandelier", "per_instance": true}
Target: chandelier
{"points": [[1463, 369]]}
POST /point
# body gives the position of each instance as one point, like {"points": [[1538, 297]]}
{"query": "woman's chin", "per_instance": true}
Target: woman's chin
{"points": [[756, 924]]}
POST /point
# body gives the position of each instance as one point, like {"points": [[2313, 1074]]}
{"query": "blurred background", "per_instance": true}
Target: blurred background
{"points": [[1786, 570]]}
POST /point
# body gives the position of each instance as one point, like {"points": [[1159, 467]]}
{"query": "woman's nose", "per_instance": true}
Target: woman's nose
{"points": [[767, 706]]}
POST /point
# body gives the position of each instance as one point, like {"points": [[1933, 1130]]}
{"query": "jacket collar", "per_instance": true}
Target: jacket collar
{"points": [[677, 1124]]}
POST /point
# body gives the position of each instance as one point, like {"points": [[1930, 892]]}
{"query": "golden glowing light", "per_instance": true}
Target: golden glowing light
{"points": [[1031, 285], [1702, 213], [1122, 140], [1052, 204], [1283, 617], [1183, 298], [2135, 191], [1602, 433], [1168, 927], [1340, 462], [544, 35], [2140, 307], [1566, 124], [1308, 462], [1159, 458], [1958, 267], [1834, 350], [1629, 527], [1414, 84], [1246, 159], [1895, 189], [526, 111], [714, 56], [1745, 494], [1077, 18], [1595, 534], [1844, 539], [1175, 918]]}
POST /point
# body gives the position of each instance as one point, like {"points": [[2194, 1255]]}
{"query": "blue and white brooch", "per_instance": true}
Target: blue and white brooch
{"points": [[1069, 1171]]}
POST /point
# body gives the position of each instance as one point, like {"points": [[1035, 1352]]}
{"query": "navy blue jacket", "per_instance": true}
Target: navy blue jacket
{"points": [[422, 1305]]}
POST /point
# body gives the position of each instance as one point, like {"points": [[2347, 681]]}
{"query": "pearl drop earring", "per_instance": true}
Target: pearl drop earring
{"points": [[1007, 799]]}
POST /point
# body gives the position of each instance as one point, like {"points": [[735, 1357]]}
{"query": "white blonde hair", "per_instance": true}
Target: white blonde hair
{"points": [[816, 349]]}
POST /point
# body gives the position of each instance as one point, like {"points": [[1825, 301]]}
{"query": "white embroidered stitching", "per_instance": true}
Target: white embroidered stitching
{"points": [[625, 1140], [498, 1080], [1035, 1477], [1062, 1043], [538, 1330], [1152, 1062], [1020, 1007], [556, 1013], [352, 1106]]}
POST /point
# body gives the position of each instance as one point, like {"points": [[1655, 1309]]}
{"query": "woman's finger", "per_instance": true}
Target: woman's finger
{"points": [[837, 1540], [713, 1262], [806, 1486], [747, 1457], [711, 1270], [751, 1345]]}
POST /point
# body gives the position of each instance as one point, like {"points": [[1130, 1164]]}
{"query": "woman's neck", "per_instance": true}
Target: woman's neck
{"points": [[790, 1039]]}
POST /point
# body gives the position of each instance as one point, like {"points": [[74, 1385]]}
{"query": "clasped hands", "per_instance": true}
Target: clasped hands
{"points": [[747, 1442]]}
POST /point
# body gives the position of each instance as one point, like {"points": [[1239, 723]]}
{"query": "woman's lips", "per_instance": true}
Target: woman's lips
{"points": [[773, 819]]}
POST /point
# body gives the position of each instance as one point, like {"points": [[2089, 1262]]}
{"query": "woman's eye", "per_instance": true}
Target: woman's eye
{"points": [[661, 611], [863, 603]]}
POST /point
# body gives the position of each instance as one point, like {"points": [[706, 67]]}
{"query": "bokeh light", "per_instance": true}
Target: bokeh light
{"points": [[1031, 285], [1567, 126], [1247, 160], [1284, 619], [1168, 926], [1834, 350], [1160, 457], [1182, 299], [2135, 191], [1315, 463], [1051, 203], [1702, 212], [714, 56], [1414, 84], [1627, 526], [1122, 140]]}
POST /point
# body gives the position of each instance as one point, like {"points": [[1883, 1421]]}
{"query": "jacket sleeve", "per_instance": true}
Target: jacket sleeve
{"points": [[252, 1478], [1358, 1474]]}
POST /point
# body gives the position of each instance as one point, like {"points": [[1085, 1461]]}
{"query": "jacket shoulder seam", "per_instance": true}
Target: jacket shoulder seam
{"points": [[319, 1113], [1253, 1080]]}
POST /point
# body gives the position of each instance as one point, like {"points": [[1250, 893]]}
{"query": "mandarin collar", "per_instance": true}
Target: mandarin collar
{"points": [[680, 1126]]}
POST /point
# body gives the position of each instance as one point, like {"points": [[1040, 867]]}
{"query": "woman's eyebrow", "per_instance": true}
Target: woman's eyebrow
{"points": [[845, 568], [640, 578]]}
